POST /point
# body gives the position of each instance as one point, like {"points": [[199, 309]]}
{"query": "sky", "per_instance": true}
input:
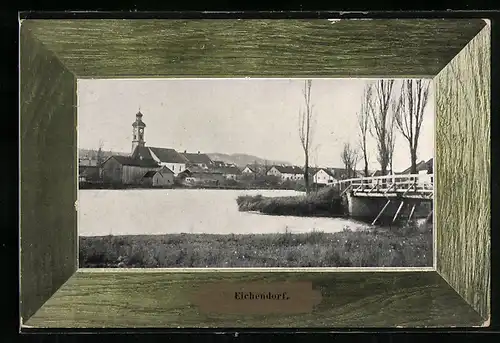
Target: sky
{"points": [[253, 116]]}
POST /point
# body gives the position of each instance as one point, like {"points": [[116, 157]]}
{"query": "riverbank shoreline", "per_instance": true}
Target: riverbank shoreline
{"points": [[139, 187], [409, 246]]}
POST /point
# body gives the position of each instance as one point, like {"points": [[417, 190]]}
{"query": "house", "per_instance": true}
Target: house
{"points": [[322, 176], [88, 162], [198, 159], [229, 173], [163, 156], [430, 166], [254, 169], [249, 170], [330, 176], [219, 164], [158, 178], [199, 175], [423, 167], [126, 170], [89, 173], [286, 172], [339, 173]]}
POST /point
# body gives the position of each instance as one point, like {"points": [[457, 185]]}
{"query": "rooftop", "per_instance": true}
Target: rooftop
{"points": [[163, 154], [130, 161], [199, 170], [229, 170], [289, 169], [163, 170], [314, 170], [197, 158], [421, 166], [138, 121]]}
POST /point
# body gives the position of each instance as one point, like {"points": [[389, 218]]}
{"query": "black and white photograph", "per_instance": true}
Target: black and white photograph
{"points": [[299, 170], [255, 172]]}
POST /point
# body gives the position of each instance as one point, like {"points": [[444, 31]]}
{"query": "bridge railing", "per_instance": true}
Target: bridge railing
{"points": [[386, 183]]}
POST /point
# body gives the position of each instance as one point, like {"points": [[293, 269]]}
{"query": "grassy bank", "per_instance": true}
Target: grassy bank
{"points": [[406, 247], [325, 202]]}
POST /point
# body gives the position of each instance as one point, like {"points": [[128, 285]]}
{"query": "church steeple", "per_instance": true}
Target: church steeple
{"points": [[138, 131]]}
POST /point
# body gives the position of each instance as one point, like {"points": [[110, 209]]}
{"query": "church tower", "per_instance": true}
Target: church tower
{"points": [[138, 131]]}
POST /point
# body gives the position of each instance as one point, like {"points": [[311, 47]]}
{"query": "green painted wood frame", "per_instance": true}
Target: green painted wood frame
{"points": [[54, 54]]}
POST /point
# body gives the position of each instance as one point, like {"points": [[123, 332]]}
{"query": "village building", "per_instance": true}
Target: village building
{"points": [[430, 166], [322, 176], [249, 170], [230, 173], [198, 159], [163, 156], [286, 172], [87, 162], [126, 170], [138, 127], [329, 176], [88, 173], [89, 168], [196, 175], [219, 164], [341, 173], [255, 169], [423, 167], [163, 177]]}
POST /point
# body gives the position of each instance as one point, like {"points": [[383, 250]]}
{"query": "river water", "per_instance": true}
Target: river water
{"points": [[164, 211]]}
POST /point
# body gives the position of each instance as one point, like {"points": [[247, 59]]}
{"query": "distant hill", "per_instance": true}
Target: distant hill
{"points": [[242, 160], [92, 153]]}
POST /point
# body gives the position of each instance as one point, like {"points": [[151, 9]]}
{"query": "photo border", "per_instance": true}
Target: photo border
{"points": [[56, 294]]}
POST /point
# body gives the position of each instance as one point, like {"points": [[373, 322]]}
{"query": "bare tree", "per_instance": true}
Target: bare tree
{"points": [[391, 139], [306, 129], [410, 114], [382, 121], [363, 124], [350, 158]]}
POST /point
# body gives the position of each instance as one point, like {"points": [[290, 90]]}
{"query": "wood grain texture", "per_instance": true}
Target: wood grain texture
{"points": [[53, 52], [48, 235], [463, 171], [117, 299], [267, 48]]}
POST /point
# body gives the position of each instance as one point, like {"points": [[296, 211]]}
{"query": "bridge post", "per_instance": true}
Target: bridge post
{"points": [[411, 213], [382, 211], [397, 212], [429, 216]]}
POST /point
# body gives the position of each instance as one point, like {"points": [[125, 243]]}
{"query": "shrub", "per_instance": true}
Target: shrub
{"points": [[325, 201]]}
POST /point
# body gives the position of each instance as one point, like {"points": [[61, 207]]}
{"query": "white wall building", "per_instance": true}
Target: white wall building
{"points": [[286, 172]]}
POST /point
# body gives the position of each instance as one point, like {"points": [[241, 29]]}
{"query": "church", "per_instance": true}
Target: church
{"points": [[165, 157], [145, 161]]}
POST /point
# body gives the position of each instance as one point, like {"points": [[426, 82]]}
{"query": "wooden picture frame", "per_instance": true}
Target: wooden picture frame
{"points": [[54, 54]]}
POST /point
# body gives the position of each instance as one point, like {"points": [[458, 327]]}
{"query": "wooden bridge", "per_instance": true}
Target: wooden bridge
{"points": [[364, 194]]}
